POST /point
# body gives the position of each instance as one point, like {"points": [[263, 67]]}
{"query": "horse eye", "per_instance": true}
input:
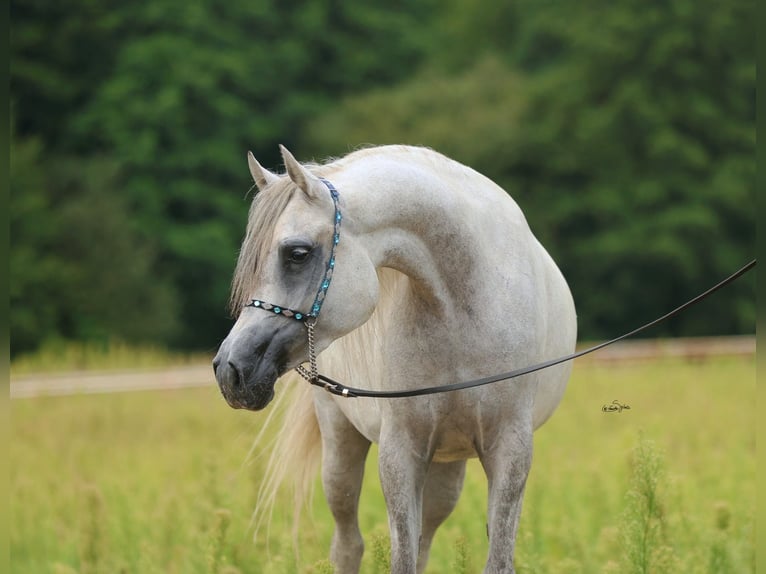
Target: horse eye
{"points": [[299, 254]]}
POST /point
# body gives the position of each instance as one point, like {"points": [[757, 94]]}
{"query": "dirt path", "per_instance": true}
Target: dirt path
{"points": [[57, 384]]}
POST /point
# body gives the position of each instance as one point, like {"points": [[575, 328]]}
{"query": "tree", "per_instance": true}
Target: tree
{"points": [[78, 269], [639, 160], [172, 94], [625, 131]]}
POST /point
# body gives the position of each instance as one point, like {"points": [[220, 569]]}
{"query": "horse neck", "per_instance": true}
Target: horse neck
{"points": [[413, 220]]}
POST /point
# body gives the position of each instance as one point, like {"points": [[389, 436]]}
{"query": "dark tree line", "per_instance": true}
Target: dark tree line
{"points": [[625, 130]]}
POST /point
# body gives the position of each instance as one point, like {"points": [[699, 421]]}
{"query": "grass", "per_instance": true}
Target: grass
{"points": [[160, 482], [101, 356]]}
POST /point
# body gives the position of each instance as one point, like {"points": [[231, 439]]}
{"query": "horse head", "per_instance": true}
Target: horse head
{"points": [[290, 255]]}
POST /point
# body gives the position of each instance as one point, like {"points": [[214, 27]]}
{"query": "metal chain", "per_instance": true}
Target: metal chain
{"points": [[312, 349], [312, 375]]}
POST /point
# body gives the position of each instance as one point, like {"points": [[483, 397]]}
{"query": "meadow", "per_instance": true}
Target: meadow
{"points": [[166, 482]]}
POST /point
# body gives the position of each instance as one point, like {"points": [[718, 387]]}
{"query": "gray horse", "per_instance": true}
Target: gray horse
{"points": [[426, 273]]}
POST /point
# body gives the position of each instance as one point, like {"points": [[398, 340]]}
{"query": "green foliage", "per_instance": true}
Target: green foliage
{"points": [[381, 552], [624, 130], [431, 110], [462, 563], [626, 133], [638, 155], [70, 232], [217, 550], [322, 567], [93, 546], [170, 96], [644, 534]]}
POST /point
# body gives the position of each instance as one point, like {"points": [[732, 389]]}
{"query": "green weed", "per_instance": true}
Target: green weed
{"points": [[218, 540], [645, 534], [93, 543], [381, 552], [462, 557], [322, 567]]}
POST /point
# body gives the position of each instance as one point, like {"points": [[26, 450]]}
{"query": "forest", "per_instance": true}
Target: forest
{"points": [[625, 131]]}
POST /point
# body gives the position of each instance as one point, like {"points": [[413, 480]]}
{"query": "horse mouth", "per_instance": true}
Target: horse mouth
{"points": [[251, 401], [252, 393], [249, 396]]}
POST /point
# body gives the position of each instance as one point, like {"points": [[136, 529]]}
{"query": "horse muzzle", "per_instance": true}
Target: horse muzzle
{"points": [[249, 362], [243, 387]]}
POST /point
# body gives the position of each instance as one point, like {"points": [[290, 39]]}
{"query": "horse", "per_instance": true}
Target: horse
{"points": [[426, 273]]}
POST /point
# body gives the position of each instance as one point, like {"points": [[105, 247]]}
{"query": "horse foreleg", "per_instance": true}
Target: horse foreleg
{"points": [[344, 451], [444, 482], [402, 471], [507, 465]]}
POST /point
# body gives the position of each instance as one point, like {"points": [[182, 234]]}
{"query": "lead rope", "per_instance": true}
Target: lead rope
{"points": [[340, 389]]}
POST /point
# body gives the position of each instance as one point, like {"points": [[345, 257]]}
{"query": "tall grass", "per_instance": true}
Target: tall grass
{"points": [[161, 482], [645, 535], [100, 355]]}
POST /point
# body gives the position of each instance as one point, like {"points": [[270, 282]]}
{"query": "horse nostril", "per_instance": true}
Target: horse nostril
{"points": [[237, 378], [227, 374]]}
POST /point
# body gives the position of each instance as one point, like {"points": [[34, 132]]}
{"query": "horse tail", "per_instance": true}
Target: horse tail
{"points": [[295, 456]]}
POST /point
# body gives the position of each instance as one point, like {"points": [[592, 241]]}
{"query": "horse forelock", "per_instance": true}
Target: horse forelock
{"points": [[265, 210]]}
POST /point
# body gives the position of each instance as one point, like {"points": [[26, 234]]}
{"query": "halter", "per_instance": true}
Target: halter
{"points": [[309, 319]]}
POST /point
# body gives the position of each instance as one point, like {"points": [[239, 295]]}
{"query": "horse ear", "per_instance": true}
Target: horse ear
{"points": [[261, 176], [297, 173]]}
